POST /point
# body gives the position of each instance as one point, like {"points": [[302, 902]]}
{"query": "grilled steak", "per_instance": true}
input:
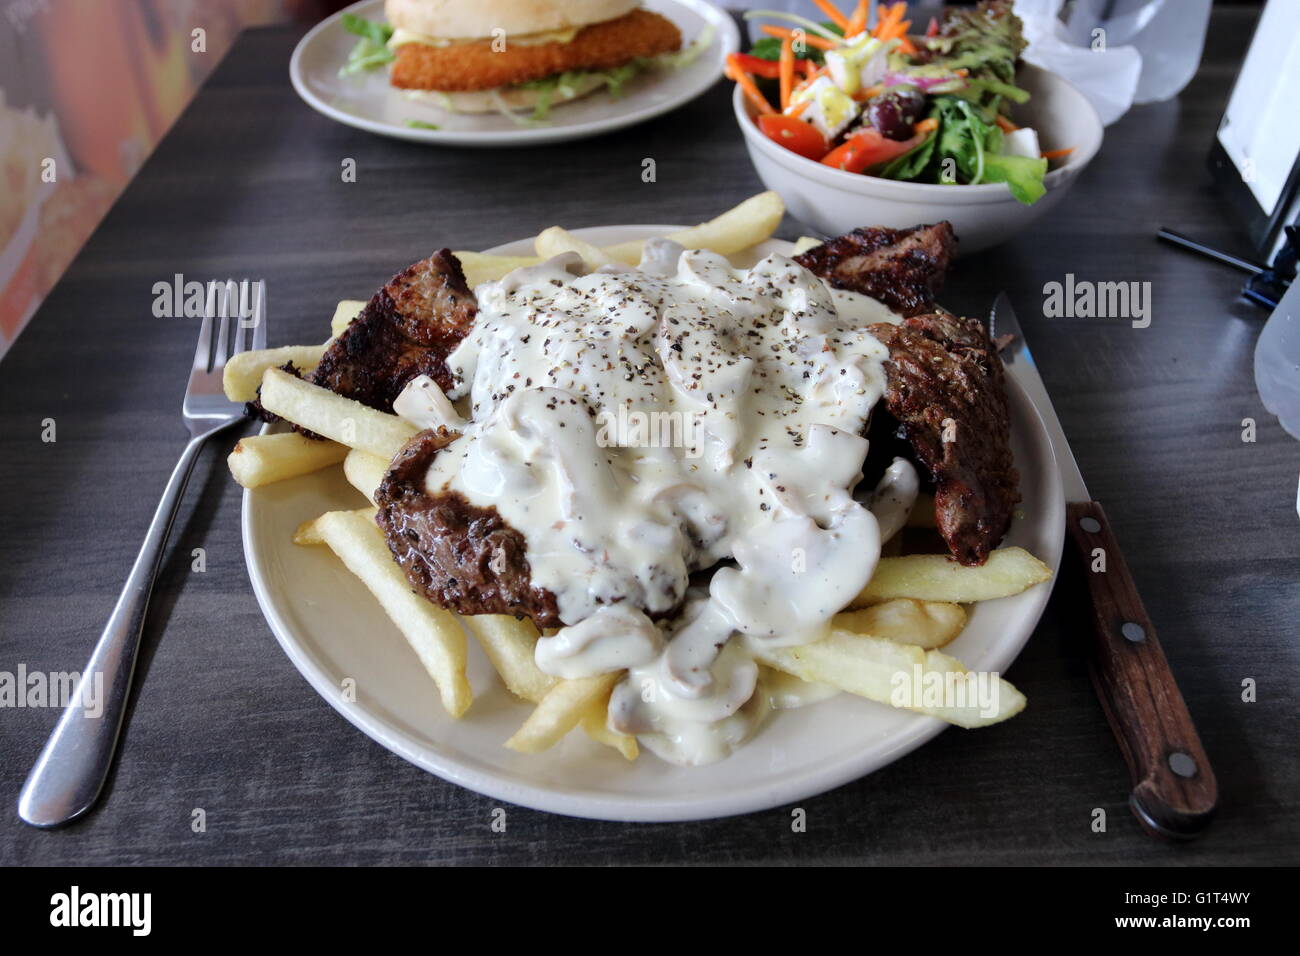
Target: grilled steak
{"points": [[944, 384], [456, 554], [903, 268], [407, 329]]}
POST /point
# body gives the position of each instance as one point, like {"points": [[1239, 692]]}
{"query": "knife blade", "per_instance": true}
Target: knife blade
{"points": [[1019, 363], [1174, 791]]}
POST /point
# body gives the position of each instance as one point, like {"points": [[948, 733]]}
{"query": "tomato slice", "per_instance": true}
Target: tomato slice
{"points": [[868, 148], [794, 134], [770, 69]]}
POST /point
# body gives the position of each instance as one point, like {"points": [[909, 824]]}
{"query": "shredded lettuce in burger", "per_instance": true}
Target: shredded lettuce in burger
{"points": [[681, 59], [371, 51], [562, 87]]}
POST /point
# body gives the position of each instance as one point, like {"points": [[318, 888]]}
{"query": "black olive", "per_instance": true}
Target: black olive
{"points": [[894, 112]]}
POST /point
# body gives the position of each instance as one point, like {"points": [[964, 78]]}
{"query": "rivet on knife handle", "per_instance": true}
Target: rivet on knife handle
{"points": [[1174, 793]]}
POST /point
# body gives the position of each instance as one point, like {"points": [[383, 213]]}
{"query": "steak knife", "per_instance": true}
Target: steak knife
{"points": [[1174, 791]]}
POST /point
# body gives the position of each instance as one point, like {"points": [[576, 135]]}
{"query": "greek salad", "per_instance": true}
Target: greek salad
{"points": [[881, 101]]}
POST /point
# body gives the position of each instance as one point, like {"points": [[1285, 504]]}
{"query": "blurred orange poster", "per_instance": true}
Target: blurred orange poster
{"points": [[87, 89]]}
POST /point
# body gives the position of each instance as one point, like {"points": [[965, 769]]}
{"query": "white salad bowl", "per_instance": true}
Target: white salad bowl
{"points": [[833, 201]]}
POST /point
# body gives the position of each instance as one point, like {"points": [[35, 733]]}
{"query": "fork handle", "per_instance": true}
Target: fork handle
{"points": [[1174, 791], [71, 770]]}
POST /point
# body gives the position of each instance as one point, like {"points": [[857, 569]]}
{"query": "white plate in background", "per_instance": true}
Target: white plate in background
{"points": [[368, 102], [332, 629]]}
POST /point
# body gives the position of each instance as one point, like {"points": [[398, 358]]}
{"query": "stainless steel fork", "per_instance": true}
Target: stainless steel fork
{"points": [[70, 772]]}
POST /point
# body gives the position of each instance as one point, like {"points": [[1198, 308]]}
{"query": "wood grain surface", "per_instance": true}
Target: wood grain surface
{"points": [[248, 184]]}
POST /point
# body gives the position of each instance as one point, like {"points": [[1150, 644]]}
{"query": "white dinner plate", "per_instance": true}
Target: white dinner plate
{"points": [[368, 102], [333, 630]]}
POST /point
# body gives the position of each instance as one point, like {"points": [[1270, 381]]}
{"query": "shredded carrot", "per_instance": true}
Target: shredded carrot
{"points": [[887, 19], [797, 110], [897, 29], [868, 92], [858, 22], [927, 125], [890, 25], [1005, 124], [882, 12], [1057, 153], [746, 84], [904, 43], [820, 43], [787, 70], [833, 14]]}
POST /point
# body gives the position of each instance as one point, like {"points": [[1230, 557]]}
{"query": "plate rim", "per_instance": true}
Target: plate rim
{"points": [[588, 804], [728, 37]]}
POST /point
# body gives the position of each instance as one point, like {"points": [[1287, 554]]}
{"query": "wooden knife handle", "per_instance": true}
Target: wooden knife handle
{"points": [[1174, 791]]}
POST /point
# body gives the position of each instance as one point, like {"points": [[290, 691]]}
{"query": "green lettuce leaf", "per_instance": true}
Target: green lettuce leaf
{"points": [[963, 138], [371, 51], [367, 29], [1023, 175]]}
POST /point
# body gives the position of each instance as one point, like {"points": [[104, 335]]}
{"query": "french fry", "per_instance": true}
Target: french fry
{"points": [[937, 577], [554, 241], [325, 413], [803, 244], [898, 675], [244, 371], [560, 711], [628, 253], [308, 533], [595, 724], [364, 471], [481, 267], [344, 313], [785, 691], [510, 644], [261, 459], [738, 228], [432, 632], [748, 224], [925, 624]]}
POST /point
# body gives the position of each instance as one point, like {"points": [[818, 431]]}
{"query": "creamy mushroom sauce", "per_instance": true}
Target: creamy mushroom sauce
{"points": [[640, 425]]}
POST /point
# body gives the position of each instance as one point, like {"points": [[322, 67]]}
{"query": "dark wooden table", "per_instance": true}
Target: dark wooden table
{"points": [[248, 184]]}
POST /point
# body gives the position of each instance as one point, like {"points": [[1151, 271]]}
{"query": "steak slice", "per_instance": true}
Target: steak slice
{"points": [[456, 554], [944, 376], [903, 268], [407, 329]]}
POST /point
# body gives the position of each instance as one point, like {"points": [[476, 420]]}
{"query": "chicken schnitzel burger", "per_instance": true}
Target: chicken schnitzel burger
{"points": [[474, 56]]}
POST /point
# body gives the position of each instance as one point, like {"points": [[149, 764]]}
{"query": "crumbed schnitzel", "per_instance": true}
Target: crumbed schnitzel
{"points": [[463, 67]]}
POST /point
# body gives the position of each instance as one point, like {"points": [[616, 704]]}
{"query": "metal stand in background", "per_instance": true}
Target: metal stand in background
{"points": [[1267, 284]]}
